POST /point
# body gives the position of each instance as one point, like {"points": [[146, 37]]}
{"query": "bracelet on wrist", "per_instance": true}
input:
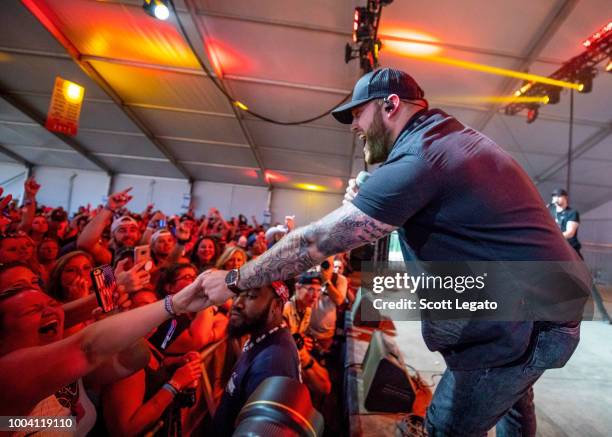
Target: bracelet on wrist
{"points": [[169, 305], [172, 389]]}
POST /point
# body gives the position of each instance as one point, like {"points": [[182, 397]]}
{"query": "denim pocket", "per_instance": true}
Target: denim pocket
{"points": [[554, 346]]}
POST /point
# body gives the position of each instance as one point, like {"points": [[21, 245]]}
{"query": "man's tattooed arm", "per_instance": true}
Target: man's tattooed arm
{"points": [[343, 229]]}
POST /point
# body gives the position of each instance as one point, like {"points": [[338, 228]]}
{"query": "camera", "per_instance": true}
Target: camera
{"points": [[186, 398], [299, 340], [325, 265]]}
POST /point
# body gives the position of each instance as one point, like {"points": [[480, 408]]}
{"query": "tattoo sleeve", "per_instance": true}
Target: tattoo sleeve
{"points": [[343, 229]]}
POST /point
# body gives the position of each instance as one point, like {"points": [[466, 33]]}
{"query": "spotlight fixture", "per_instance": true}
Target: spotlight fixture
{"points": [[532, 114], [365, 44], [553, 95], [579, 71], [585, 79], [157, 8], [601, 33]]}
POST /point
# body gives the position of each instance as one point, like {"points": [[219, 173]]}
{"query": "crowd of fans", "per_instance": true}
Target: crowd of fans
{"points": [[135, 371]]}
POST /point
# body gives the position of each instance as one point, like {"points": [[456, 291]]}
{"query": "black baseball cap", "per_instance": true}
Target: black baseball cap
{"points": [[379, 84], [559, 192], [310, 277]]}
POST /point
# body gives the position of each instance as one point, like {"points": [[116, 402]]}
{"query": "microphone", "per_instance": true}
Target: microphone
{"points": [[362, 177]]}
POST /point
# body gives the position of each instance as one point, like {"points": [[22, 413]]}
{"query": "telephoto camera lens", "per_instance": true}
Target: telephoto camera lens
{"points": [[279, 407]]}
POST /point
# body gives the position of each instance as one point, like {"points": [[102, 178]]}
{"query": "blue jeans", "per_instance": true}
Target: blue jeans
{"points": [[470, 402]]}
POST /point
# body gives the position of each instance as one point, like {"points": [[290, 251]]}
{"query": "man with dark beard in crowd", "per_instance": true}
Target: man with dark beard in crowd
{"points": [[270, 351]]}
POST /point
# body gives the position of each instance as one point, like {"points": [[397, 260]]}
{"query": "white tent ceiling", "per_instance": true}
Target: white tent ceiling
{"points": [[151, 110]]}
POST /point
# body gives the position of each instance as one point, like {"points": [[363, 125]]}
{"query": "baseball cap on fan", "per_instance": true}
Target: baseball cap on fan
{"points": [[559, 192], [379, 84]]}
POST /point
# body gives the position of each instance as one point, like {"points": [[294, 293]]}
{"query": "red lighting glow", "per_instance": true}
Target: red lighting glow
{"points": [[251, 173], [224, 59], [406, 41], [355, 24], [597, 35], [275, 177]]}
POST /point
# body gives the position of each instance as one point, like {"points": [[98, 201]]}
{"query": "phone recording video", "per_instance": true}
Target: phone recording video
{"points": [[105, 286]]}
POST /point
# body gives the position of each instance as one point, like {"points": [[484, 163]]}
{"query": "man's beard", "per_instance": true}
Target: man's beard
{"points": [[378, 140], [248, 325]]}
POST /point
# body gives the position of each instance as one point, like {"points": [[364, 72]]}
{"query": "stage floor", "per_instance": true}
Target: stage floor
{"points": [[573, 401]]}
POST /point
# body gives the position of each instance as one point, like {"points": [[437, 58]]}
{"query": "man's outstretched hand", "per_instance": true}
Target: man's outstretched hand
{"points": [[213, 283], [208, 289]]}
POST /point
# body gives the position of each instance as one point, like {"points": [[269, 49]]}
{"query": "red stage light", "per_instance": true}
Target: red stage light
{"points": [[275, 177], [597, 35], [532, 115], [355, 24]]}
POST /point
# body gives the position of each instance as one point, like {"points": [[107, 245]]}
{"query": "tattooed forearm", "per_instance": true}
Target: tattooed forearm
{"points": [[344, 229]]}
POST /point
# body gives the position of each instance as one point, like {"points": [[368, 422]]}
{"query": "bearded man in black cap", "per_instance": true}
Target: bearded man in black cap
{"points": [[567, 219], [453, 195]]}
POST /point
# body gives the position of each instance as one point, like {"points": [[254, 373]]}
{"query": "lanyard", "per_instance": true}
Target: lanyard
{"points": [[249, 344]]}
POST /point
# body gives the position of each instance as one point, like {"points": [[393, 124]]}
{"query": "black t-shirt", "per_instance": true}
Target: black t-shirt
{"points": [[565, 216], [275, 355], [458, 196]]}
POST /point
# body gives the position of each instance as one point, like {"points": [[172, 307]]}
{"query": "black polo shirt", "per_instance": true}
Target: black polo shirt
{"points": [[562, 218], [458, 196], [275, 355]]}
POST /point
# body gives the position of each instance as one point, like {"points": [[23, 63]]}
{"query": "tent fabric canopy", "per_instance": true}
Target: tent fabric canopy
{"points": [[150, 109]]}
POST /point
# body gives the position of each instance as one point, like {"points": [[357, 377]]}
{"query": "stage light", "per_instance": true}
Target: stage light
{"points": [[365, 43], [585, 81], [310, 187], [356, 23], [553, 95], [157, 9], [532, 114], [241, 105], [495, 99], [597, 35], [73, 92], [487, 68]]}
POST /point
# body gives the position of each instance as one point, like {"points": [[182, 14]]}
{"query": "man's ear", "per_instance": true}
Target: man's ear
{"points": [[392, 104]]}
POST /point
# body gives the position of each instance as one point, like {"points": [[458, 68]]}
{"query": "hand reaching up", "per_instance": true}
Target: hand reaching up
{"points": [[118, 200]]}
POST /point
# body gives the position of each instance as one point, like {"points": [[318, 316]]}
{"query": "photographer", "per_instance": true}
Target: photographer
{"points": [[296, 314], [323, 321]]}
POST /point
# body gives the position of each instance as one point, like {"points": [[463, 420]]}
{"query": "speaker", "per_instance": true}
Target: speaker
{"points": [[387, 386], [363, 313]]}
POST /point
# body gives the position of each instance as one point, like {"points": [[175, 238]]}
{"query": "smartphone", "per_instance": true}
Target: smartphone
{"points": [[161, 224], [143, 253], [105, 285]]}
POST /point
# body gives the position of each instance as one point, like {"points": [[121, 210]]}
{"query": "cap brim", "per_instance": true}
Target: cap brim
{"points": [[343, 113]]}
